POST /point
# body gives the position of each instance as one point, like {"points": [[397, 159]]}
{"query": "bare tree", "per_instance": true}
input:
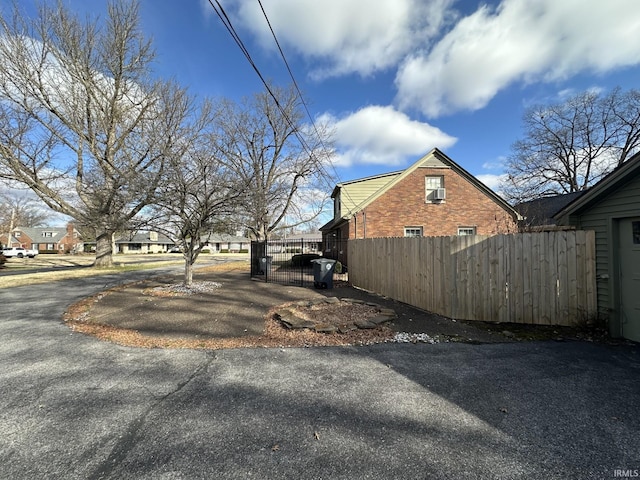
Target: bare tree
{"points": [[264, 141], [567, 147], [25, 211], [198, 191], [81, 122]]}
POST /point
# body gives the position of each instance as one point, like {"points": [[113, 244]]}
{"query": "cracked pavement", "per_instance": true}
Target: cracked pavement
{"points": [[76, 408]]}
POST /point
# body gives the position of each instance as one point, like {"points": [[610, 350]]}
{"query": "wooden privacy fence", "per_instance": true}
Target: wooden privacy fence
{"points": [[543, 278]]}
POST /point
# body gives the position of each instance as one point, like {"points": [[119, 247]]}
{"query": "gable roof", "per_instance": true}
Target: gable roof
{"points": [[540, 212], [36, 234], [362, 192], [308, 236], [621, 175], [224, 238], [143, 237]]}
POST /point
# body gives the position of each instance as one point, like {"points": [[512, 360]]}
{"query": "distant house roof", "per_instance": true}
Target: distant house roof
{"points": [[37, 234], [224, 238], [621, 175], [540, 212], [145, 237], [309, 236]]}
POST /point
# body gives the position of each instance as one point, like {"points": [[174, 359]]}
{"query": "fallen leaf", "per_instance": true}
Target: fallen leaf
{"points": [[315, 434], [275, 448]]}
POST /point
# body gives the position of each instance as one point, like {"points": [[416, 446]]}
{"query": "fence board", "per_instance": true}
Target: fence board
{"points": [[535, 297], [527, 267], [539, 278]]}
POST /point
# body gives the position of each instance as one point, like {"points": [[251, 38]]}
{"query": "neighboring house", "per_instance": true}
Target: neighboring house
{"points": [[13, 241], [143, 242], [537, 215], [612, 209], [223, 242], [64, 239], [155, 242], [310, 242], [433, 197]]}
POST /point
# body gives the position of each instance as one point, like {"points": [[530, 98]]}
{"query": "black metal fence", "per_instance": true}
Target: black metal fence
{"points": [[290, 262]]}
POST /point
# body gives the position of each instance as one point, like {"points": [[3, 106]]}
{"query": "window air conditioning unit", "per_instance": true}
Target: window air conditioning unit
{"points": [[440, 194]]}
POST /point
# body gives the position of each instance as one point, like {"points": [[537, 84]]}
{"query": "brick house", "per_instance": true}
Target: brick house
{"points": [[50, 239], [433, 197]]}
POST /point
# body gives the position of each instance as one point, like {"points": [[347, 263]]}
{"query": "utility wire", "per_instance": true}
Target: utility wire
{"points": [[226, 21], [295, 84]]}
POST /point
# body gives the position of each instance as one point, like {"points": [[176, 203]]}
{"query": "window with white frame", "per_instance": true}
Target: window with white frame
{"points": [[47, 234], [17, 234], [433, 184], [466, 230], [412, 231]]}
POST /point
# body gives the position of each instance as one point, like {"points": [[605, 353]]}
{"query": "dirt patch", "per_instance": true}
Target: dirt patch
{"points": [[274, 335], [336, 313], [527, 332], [215, 314]]}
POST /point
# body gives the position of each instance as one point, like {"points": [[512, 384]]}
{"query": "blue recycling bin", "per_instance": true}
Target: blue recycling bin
{"points": [[323, 269]]}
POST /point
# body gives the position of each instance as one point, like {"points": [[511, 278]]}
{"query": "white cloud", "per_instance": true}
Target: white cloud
{"points": [[382, 135], [520, 41], [345, 37], [494, 182]]}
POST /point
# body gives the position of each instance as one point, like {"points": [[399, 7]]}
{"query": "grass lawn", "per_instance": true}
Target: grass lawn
{"points": [[19, 271]]}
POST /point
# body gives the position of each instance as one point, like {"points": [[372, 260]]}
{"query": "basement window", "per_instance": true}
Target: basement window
{"points": [[466, 231], [412, 231]]}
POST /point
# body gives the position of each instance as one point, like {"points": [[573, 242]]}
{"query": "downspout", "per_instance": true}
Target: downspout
{"points": [[364, 224], [355, 226]]}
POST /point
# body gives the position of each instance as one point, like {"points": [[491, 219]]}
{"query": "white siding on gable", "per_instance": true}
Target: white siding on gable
{"points": [[432, 162]]}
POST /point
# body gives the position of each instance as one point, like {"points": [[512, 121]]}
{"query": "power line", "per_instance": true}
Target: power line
{"points": [[295, 84], [219, 9]]}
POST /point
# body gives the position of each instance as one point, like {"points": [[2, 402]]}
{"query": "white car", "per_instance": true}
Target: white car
{"points": [[19, 252]]}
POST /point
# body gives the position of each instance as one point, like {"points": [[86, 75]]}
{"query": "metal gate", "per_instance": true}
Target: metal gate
{"points": [[290, 262]]}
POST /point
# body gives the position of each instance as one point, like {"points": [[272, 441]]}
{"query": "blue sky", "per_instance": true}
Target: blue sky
{"points": [[396, 78], [399, 77]]}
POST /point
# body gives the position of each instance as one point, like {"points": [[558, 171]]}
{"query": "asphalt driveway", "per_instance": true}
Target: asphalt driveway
{"points": [[74, 407]]}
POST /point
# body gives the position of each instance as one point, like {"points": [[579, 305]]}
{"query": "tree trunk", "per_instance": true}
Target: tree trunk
{"points": [[103, 249], [188, 272]]}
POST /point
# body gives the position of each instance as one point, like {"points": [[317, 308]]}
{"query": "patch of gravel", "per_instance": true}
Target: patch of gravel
{"points": [[404, 337], [181, 289]]}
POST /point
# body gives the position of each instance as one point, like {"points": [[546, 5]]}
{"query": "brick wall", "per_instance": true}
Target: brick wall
{"points": [[70, 240], [404, 206]]}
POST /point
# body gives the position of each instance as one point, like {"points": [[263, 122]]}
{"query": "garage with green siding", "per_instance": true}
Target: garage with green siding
{"points": [[612, 209]]}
